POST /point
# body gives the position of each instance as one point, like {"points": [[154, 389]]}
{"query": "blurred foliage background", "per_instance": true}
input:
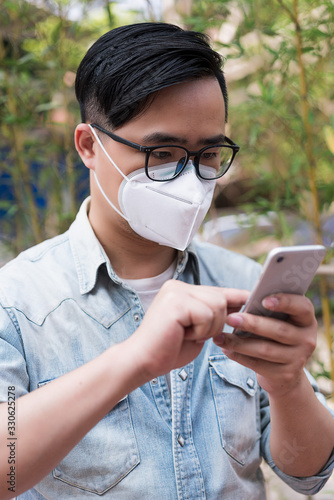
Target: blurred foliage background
{"points": [[280, 73], [279, 68]]}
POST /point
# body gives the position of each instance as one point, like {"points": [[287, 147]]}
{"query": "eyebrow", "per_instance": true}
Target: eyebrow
{"points": [[157, 138]]}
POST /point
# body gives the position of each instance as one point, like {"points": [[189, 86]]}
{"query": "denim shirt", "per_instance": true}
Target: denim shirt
{"points": [[61, 306]]}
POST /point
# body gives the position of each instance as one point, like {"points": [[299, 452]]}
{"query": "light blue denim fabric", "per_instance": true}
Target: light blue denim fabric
{"points": [[62, 305]]}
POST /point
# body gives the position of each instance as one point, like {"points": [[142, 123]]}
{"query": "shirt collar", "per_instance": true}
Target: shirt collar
{"points": [[188, 256], [87, 251], [89, 254]]}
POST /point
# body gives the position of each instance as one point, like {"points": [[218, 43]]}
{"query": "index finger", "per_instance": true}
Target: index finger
{"points": [[235, 298]]}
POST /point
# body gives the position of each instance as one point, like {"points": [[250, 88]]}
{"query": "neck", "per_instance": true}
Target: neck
{"points": [[140, 261], [131, 256]]}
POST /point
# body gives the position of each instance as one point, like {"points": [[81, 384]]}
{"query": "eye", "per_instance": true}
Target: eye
{"points": [[160, 154], [209, 155]]}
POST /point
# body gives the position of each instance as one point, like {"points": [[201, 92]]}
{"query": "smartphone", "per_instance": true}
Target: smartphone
{"points": [[286, 270]]}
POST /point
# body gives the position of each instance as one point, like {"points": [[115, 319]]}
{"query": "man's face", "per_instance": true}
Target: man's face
{"points": [[190, 114]]}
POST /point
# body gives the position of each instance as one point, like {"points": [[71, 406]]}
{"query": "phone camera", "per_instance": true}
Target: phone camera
{"points": [[280, 259]]}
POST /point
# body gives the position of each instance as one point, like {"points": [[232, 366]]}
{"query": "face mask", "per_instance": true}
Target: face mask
{"points": [[169, 213]]}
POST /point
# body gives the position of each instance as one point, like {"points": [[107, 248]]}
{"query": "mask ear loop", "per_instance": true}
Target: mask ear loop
{"points": [[118, 169]]}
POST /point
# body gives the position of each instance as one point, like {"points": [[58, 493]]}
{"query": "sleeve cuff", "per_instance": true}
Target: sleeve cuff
{"points": [[306, 485]]}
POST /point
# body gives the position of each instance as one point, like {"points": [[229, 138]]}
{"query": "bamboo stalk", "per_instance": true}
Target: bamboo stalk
{"points": [[69, 159], [68, 133]]}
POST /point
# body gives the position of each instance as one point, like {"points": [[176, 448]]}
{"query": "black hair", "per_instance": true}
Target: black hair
{"points": [[120, 72]]}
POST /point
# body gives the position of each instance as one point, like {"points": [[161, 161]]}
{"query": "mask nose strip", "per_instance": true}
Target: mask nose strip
{"points": [[190, 165], [179, 165]]}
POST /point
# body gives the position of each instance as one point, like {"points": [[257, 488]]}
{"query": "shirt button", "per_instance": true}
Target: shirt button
{"points": [[136, 317], [181, 440], [154, 381], [250, 382], [183, 374]]}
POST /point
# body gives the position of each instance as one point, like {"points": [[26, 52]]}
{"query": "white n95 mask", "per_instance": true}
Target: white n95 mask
{"points": [[169, 213]]}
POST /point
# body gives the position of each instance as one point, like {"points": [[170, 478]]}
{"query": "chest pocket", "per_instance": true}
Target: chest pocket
{"points": [[104, 456], [236, 398]]}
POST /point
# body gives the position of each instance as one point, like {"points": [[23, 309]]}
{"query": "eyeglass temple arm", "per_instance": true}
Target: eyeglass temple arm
{"points": [[231, 143], [120, 139]]}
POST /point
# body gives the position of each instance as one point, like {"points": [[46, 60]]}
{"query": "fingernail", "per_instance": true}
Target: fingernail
{"points": [[220, 339], [270, 302], [226, 352], [234, 320]]}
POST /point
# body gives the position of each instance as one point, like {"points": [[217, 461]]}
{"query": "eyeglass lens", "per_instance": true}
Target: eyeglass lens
{"points": [[165, 163]]}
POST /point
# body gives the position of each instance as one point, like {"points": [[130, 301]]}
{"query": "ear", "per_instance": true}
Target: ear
{"points": [[84, 143]]}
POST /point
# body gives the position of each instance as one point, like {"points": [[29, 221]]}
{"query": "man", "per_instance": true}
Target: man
{"points": [[140, 394]]}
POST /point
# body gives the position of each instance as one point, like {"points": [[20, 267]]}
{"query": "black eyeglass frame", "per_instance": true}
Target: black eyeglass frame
{"points": [[196, 154]]}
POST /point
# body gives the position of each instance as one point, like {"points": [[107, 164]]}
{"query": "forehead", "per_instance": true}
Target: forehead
{"points": [[191, 110]]}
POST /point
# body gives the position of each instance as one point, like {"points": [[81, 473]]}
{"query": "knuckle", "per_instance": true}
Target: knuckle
{"points": [[284, 300], [309, 306], [266, 350], [253, 322], [288, 377], [282, 330], [171, 290], [220, 308], [208, 315], [310, 343], [170, 285]]}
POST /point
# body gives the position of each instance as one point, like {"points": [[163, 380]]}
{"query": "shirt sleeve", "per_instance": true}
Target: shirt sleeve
{"points": [[305, 485], [13, 367]]}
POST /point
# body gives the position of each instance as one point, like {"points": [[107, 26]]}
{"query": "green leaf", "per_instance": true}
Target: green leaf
{"points": [[307, 49], [46, 106], [56, 32]]}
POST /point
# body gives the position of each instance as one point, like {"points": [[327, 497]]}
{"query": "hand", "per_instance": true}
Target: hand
{"points": [[282, 348], [180, 319]]}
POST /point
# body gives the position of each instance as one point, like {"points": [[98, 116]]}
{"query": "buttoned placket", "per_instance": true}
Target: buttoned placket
{"points": [[161, 394], [188, 474], [137, 310]]}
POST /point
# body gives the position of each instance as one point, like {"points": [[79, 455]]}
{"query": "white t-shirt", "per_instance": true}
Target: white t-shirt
{"points": [[147, 288]]}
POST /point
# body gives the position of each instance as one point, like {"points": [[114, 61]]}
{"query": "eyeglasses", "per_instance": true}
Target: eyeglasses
{"points": [[166, 162]]}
